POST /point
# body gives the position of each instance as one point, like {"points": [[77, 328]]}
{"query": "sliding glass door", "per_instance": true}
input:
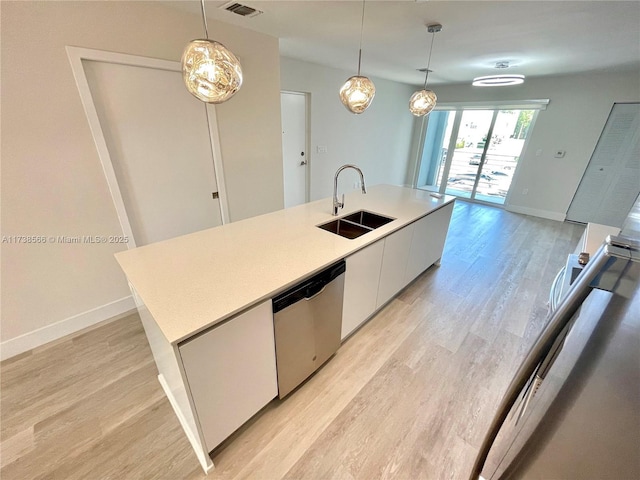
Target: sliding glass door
{"points": [[470, 148], [473, 153]]}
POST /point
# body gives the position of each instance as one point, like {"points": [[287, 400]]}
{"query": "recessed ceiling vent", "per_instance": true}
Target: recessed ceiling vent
{"points": [[240, 9]]}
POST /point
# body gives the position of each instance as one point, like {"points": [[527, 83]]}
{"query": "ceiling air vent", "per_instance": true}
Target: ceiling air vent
{"points": [[240, 9]]}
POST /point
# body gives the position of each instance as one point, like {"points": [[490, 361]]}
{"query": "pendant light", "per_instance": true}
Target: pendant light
{"points": [[357, 92], [423, 101], [210, 71]]}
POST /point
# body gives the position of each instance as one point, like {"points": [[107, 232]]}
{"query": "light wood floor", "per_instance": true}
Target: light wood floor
{"points": [[408, 396]]}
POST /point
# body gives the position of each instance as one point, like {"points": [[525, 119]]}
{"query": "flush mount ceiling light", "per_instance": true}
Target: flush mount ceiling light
{"points": [[423, 101], [210, 71], [357, 92], [500, 80]]}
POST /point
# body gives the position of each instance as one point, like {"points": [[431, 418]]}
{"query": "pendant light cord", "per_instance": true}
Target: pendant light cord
{"points": [[426, 77], [204, 19], [361, 30]]}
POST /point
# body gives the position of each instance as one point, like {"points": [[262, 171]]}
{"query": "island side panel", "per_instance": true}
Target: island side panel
{"points": [[170, 375]]}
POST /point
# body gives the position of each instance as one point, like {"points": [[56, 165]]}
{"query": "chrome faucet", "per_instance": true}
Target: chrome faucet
{"points": [[339, 204]]}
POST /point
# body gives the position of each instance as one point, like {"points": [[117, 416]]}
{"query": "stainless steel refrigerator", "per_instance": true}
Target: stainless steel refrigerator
{"points": [[572, 410]]}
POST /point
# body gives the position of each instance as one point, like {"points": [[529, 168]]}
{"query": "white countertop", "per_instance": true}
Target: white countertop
{"points": [[192, 282]]}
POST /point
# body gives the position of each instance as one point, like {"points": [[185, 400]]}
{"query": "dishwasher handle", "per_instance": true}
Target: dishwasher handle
{"points": [[314, 295]]}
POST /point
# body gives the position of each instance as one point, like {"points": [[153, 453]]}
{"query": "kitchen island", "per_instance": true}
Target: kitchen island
{"points": [[205, 298]]}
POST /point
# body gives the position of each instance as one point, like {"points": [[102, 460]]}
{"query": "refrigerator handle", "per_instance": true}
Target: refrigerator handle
{"points": [[558, 320], [554, 292]]}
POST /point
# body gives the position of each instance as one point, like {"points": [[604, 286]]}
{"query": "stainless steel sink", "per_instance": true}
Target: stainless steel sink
{"points": [[356, 224]]}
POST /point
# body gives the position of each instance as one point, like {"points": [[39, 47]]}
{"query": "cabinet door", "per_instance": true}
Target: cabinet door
{"points": [[429, 235], [231, 372], [394, 264], [361, 286]]}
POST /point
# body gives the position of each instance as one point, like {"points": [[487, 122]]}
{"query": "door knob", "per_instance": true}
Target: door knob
{"points": [[303, 163]]}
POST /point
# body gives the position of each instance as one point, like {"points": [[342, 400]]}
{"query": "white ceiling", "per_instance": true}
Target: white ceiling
{"points": [[538, 38]]}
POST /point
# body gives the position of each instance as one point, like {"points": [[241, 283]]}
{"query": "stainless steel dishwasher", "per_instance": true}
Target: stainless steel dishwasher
{"points": [[307, 323]]}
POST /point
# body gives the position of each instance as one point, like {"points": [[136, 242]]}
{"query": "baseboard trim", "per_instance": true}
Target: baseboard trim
{"points": [[203, 457], [30, 340], [560, 217]]}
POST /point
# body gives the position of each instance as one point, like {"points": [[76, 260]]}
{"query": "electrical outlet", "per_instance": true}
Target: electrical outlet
{"points": [[539, 152], [321, 149], [525, 191]]}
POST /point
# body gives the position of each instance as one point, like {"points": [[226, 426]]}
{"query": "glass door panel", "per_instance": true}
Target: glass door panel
{"points": [[469, 149], [507, 140], [434, 152]]}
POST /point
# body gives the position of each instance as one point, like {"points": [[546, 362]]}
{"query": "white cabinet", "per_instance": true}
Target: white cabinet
{"points": [[394, 264], [361, 286], [429, 235], [231, 372]]}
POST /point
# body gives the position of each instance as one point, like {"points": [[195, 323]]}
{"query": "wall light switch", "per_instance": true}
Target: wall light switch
{"points": [[559, 153], [321, 149]]}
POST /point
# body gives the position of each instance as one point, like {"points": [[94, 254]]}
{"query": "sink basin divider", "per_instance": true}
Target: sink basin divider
{"points": [[356, 224]]}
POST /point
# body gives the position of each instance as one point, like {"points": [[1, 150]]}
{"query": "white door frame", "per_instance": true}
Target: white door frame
{"points": [[76, 55]]}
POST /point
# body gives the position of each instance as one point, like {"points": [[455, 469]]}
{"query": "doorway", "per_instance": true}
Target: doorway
{"points": [[295, 157], [473, 153], [158, 146]]}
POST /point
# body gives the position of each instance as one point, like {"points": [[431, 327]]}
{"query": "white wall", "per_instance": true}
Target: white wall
{"points": [[577, 112], [378, 140], [52, 181]]}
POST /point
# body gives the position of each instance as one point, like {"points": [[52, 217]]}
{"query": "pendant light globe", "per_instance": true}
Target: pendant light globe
{"points": [[210, 71], [422, 102], [357, 94]]}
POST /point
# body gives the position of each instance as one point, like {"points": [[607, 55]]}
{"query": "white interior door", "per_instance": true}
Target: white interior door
{"points": [[294, 148], [611, 182], [159, 144]]}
